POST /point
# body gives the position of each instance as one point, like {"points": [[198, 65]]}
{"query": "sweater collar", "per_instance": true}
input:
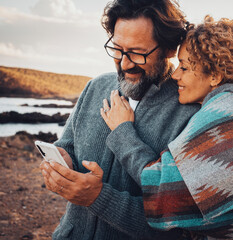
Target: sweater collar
{"points": [[166, 87]]}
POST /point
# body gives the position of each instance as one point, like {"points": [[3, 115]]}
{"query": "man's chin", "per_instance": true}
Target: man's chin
{"points": [[133, 78]]}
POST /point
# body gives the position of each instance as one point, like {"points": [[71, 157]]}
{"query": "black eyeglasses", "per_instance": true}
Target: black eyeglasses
{"points": [[137, 58]]}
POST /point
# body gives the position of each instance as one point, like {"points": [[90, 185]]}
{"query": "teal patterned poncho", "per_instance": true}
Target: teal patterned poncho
{"points": [[191, 185]]}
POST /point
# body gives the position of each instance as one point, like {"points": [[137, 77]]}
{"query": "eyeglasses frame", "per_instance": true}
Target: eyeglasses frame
{"points": [[145, 55]]}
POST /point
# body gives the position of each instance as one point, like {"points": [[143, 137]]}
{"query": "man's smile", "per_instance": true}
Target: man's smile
{"points": [[132, 77]]}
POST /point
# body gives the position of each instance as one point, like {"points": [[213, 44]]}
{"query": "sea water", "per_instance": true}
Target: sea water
{"points": [[15, 104]]}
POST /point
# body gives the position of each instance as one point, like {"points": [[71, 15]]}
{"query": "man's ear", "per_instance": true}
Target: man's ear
{"points": [[216, 80], [171, 53]]}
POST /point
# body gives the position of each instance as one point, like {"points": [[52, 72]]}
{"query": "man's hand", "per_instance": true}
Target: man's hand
{"points": [[78, 188], [66, 157], [119, 112]]}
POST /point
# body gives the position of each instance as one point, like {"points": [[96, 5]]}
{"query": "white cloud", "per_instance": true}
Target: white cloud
{"points": [[32, 57], [56, 8], [60, 40], [55, 14], [92, 50], [13, 15], [28, 52], [8, 49]]}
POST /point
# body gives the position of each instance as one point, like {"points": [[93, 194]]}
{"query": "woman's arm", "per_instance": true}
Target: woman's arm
{"points": [[167, 200], [124, 141], [169, 204]]}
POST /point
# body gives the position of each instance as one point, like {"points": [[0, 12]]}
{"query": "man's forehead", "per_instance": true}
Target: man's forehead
{"points": [[134, 25], [134, 31]]}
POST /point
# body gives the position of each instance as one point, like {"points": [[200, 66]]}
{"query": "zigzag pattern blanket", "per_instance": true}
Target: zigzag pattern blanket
{"points": [[191, 185]]}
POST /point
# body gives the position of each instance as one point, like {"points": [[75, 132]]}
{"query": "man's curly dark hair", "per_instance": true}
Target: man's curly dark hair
{"points": [[168, 20]]}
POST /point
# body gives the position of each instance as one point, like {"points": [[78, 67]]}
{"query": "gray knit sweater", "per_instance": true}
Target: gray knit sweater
{"points": [[117, 213]]}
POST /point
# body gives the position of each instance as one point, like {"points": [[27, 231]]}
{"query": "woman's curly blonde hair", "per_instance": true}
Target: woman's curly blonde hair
{"points": [[211, 45]]}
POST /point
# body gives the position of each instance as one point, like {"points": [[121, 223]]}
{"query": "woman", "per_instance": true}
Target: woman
{"points": [[191, 185]]}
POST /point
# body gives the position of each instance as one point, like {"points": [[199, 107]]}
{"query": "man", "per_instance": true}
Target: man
{"points": [[105, 203]]}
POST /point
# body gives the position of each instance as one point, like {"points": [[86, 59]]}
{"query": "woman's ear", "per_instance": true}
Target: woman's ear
{"points": [[216, 80]]}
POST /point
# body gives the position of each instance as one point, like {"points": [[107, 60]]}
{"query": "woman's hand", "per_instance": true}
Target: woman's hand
{"points": [[119, 112]]}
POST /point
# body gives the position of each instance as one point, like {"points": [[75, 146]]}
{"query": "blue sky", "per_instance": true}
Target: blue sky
{"points": [[65, 36]]}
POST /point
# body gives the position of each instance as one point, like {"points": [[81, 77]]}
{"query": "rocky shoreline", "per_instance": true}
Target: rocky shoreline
{"points": [[46, 137], [27, 209], [34, 117], [52, 105]]}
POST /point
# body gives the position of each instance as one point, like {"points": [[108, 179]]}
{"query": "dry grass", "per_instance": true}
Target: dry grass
{"points": [[33, 83]]}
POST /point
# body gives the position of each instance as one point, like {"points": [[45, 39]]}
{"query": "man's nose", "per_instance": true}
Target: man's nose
{"points": [[176, 75], [126, 63]]}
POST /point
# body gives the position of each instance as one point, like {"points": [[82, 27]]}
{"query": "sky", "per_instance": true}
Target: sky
{"points": [[66, 36]]}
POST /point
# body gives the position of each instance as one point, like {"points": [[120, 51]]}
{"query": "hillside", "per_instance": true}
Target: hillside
{"points": [[21, 82]]}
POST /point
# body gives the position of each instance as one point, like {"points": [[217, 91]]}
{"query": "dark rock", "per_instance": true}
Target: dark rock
{"points": [[47, 137], [24, 134], [34, 117], [62, 123], [52, 105], [28, 148], [27, 236], [20, 189]]}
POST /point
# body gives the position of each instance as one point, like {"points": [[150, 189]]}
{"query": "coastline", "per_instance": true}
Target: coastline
{"points": [[27, 209]]}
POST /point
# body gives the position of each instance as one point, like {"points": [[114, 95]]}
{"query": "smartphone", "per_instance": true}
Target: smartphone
{"points": [[50, 153]]}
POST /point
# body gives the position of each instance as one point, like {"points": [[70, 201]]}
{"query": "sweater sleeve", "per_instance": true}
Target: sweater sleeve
{"points": [[132, 152], [126, 213], [66, 140]]}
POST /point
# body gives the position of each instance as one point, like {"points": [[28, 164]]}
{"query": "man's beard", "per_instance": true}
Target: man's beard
{"points": [[137, 90]]}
